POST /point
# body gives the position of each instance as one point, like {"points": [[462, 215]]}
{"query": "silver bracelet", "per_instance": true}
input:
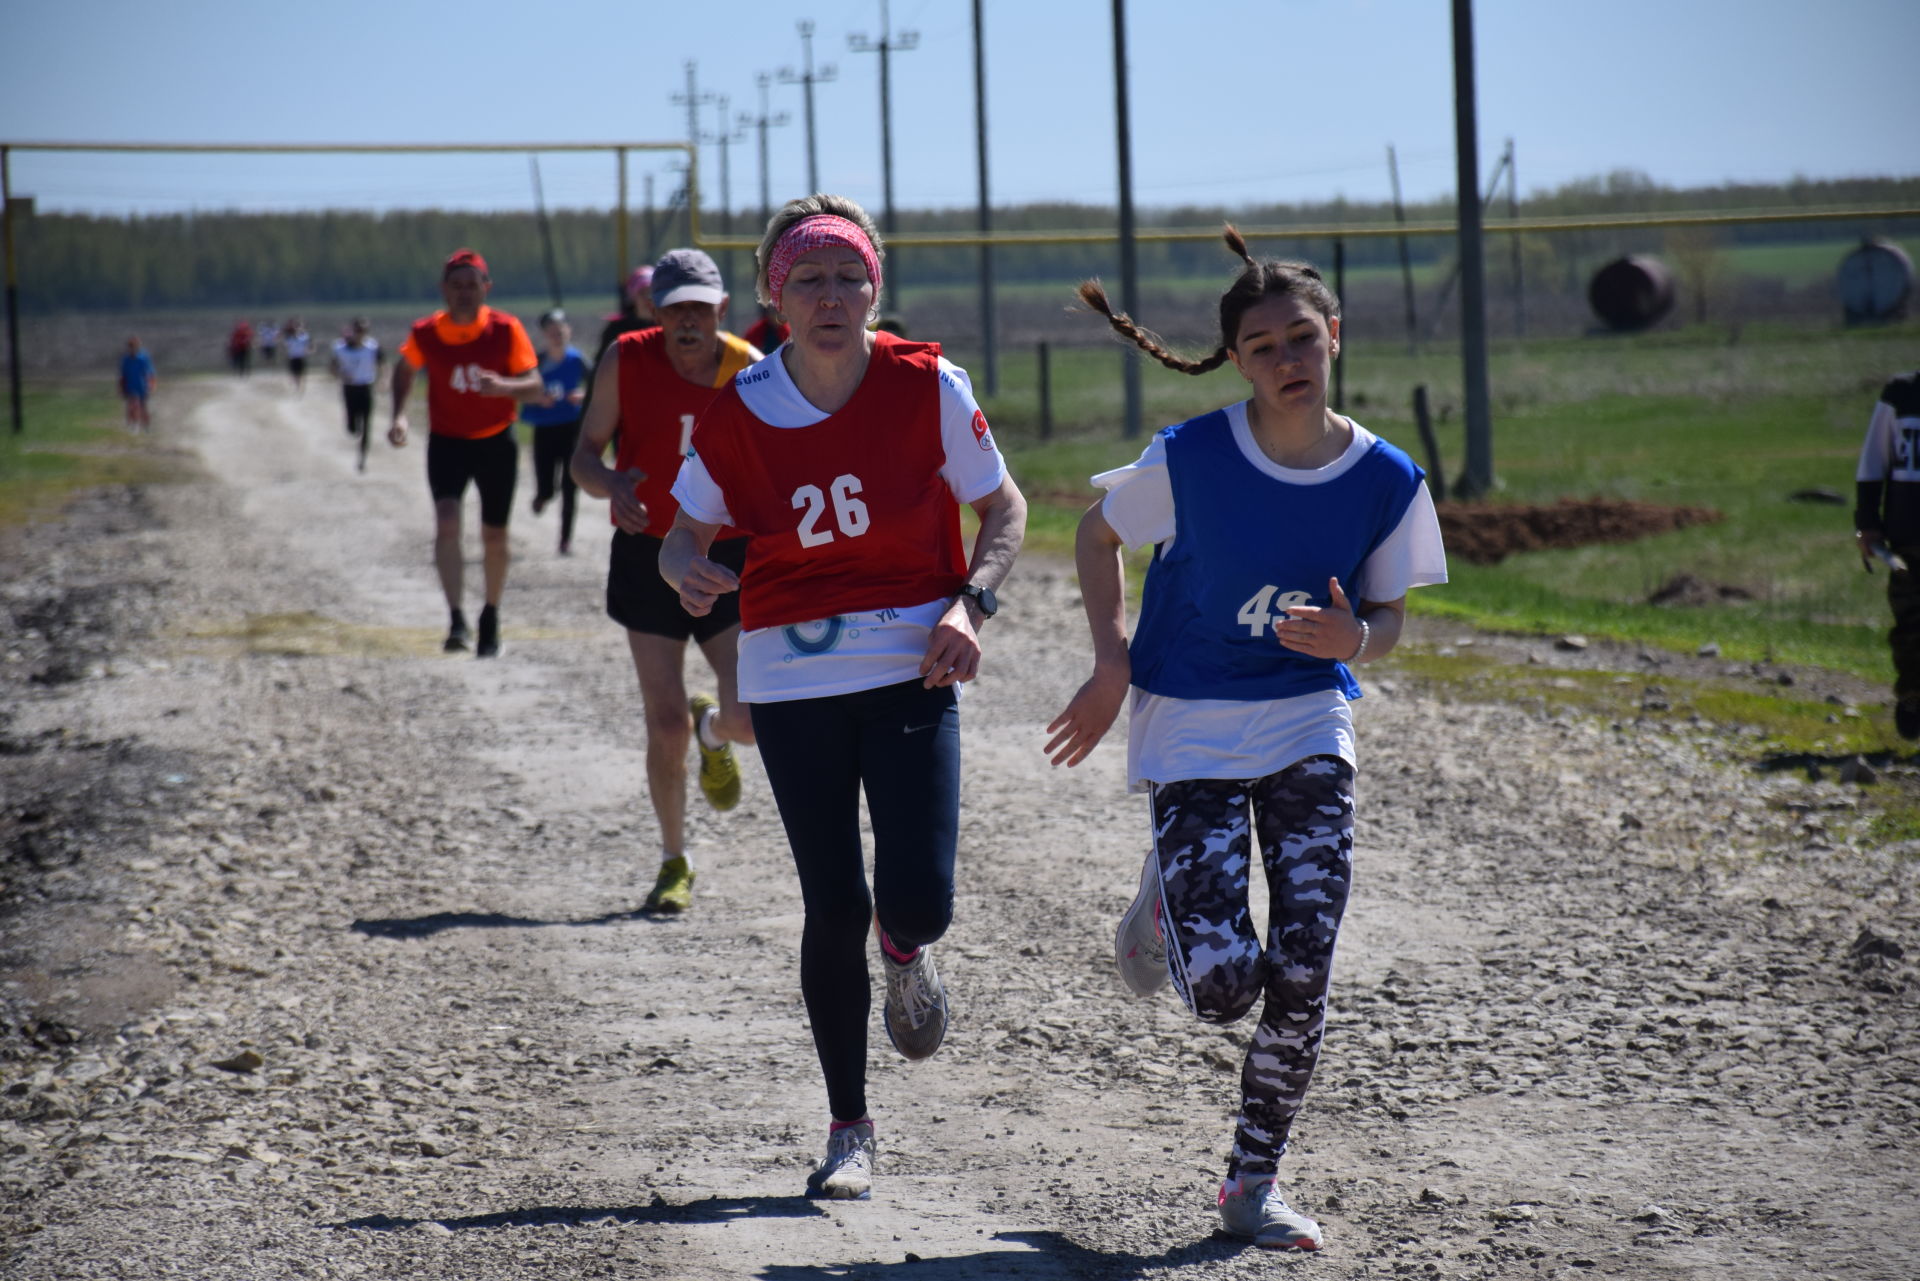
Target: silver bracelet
{"points": [[1366, 634]]}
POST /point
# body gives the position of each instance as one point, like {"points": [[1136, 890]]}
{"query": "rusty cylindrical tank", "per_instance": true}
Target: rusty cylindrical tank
{"points": [[1631, 293]]}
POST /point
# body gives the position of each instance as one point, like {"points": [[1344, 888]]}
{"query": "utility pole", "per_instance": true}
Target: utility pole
{"points": [[807, 79], [985, 220], [1513, 241], [1406, 262], [1477, 479], [725, 136], [762, 122], [888, 44], [1129, 265], [692, 100]]}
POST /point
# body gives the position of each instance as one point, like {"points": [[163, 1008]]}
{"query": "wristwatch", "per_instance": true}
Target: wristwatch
{"points": [[983, 597]]}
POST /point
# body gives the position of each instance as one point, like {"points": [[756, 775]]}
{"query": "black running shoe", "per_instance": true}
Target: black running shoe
{"points": [[487, 643], [456, 634]]}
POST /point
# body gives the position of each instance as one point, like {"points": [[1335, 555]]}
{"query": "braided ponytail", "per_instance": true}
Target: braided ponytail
{"points": [[1257, 280], [1095, 297]]}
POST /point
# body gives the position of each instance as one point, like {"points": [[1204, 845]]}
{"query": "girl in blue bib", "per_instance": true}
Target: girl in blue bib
{"points": [[1285, 538]]}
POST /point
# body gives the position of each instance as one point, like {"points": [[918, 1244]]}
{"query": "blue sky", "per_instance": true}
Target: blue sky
{"points": [[1233, 101]]}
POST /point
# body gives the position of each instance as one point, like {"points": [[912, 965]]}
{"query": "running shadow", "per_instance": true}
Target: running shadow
{"points": [[659, 1211], [1054, 1257], [419, 927]]}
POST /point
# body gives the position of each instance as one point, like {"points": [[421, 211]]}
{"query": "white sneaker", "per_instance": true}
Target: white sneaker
{"points": [[847, 1172], [1139, 945], [1255, 1211], [916, 1015]]}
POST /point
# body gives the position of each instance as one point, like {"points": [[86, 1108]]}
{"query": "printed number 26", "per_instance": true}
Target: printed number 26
{"points": [[850, 514], [1264, 609]]}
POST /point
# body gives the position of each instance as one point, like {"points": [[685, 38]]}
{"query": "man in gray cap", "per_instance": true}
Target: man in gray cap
{"points": [[648, 392]]}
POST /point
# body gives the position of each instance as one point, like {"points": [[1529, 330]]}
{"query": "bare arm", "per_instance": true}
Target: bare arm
{"points": [[1334, 631], [953, 647], [684, 564], [525, 388], [588, 465], [1103, 589], [402, 387]]}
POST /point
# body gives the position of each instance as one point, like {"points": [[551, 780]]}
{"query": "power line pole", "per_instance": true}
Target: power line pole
{"points": [[692, 100], [1129, 265], [725, 136], [1478, 478], [985, 219], [1406, 262], [888, 44], [1513, 240], [807, 79], [762, 122]]}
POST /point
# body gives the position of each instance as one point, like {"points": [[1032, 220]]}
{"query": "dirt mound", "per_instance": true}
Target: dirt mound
{"points": [[1488, 533]]}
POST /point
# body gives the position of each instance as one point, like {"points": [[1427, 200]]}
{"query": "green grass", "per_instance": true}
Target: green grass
{"points": [[74, 440]]}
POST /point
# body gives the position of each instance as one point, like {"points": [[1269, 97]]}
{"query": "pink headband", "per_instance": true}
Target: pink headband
{"points": [[818, 232]]}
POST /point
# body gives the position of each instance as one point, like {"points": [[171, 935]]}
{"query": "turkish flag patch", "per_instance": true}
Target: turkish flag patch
{"points": [[981, 434]]}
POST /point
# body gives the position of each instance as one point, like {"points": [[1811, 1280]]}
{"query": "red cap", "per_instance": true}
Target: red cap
{"points": [[463, 258]]}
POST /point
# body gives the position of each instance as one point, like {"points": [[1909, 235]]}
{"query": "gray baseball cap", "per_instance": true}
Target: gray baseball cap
{"points": [[686, 275]]}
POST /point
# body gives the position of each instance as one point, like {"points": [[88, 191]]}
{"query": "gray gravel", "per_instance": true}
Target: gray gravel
{"points": [[321, 958]]}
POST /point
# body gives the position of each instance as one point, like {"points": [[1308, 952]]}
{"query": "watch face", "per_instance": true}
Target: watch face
{"points": [[989, 603]]}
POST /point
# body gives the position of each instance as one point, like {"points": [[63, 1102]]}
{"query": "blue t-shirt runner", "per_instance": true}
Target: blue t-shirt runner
{"points": [[563, 377]]}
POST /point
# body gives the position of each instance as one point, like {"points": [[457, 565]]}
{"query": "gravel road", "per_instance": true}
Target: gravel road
{"points": [[321, 958]]}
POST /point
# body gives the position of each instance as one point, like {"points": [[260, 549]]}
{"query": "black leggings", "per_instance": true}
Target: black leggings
{"points": [[901, 743], [552, 451], [359, 401]]}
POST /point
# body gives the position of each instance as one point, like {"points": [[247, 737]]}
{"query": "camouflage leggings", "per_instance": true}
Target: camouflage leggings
{"points": [[1304, 817]]}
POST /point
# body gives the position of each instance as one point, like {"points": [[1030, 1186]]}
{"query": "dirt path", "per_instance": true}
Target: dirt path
{"points": [[1603, 1008]]}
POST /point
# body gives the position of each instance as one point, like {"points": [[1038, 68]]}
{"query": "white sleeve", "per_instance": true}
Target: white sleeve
{"points": [[1876, 453], [699, 497], [1412, 555], [1139, 501], [974, 467]]}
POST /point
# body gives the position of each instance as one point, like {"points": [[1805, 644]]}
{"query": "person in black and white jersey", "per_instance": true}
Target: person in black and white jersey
{"points": [[356, 363], [1886, 521]]}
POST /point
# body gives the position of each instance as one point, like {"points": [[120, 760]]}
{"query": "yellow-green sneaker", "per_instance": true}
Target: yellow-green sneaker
{"points": [[719, 772], [673, 891]]}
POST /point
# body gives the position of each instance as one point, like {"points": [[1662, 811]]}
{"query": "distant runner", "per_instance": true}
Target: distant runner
{"points": [[240, 347], [555, 419], [650, 389], [480, 366], [1886, 518], [356, 363], [299, 347], [268, 333], [136, 383]]}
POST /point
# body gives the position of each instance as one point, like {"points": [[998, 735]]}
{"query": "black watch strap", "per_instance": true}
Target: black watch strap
{"points": [[984, 598]]}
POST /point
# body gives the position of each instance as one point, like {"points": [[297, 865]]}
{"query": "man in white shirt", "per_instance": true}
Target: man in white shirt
{"points": [[356, 363]]}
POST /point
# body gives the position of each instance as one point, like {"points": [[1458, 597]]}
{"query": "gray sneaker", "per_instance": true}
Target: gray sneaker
{"points": [[916, 1016], [1139, 946], [847, 1172], [1255, 1211]]}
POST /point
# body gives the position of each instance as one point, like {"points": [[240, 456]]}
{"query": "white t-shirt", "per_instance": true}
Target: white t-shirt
{"points": [[1175, 739], [299, 343], [360, 365], [848, 652]]}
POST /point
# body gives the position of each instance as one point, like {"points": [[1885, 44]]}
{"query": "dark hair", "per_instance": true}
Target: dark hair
{"points": [[555, 316], [1258, 280]]}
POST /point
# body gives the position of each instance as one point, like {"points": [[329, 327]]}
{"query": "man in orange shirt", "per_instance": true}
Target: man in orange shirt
{"points": [[480, 365]]}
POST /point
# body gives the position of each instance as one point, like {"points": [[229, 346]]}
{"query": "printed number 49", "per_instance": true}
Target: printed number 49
{"points": [[1263, 610], [850, 514], [466, 378]]}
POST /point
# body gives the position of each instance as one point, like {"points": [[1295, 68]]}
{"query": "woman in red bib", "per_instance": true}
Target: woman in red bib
{"points": [[844, 457]]}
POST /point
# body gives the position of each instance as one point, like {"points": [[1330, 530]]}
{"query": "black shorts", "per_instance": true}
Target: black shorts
{"points": [[296, 364], [639, 599], [492, 463]]}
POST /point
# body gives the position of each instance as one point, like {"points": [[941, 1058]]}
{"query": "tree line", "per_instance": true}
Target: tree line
{"points": [[86, 262]]}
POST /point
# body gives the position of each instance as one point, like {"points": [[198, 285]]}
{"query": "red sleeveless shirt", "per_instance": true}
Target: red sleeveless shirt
{"points": [[847, 515], [658, 409], [453, 407]]}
